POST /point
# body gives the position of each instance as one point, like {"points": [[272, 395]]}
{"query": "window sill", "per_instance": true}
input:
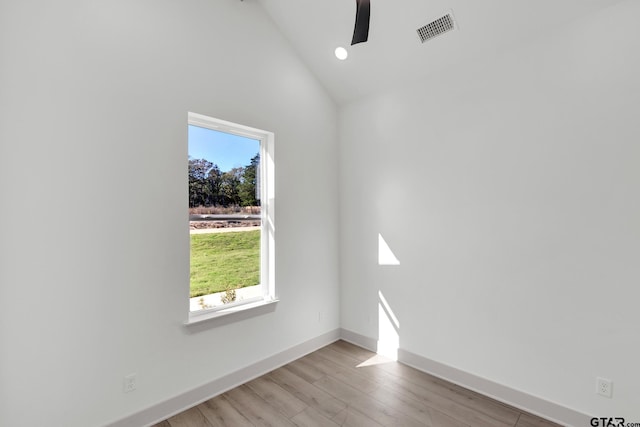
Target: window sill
{"points": [[227, 315]]}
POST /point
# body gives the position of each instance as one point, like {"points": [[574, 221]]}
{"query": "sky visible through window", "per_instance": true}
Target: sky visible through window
{"points": [[223, 149]]}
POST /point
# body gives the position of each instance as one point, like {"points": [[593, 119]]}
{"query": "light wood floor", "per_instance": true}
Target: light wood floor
{"points": [[345, 385]]}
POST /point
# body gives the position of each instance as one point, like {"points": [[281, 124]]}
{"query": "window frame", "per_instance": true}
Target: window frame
{"points": [[266, 180]]}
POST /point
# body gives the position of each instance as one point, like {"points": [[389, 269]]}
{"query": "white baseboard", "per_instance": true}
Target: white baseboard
{"points": [[526, 402], [516, 398], [370, 344], [177, 404]]}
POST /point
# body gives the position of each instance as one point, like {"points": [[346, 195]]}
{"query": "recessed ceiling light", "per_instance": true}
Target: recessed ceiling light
{"points": [[341, 53]]}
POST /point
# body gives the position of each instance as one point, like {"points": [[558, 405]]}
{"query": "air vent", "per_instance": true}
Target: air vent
{"points": [[433, 29]]}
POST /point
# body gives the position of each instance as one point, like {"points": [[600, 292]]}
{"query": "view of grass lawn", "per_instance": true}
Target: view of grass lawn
{"points": [[221, 261]]}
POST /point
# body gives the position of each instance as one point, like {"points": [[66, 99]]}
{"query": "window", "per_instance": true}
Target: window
{"points": [[230, 217]]}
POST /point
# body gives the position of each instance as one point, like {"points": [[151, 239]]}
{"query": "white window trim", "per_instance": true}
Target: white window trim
{"points": [[267, 234]]}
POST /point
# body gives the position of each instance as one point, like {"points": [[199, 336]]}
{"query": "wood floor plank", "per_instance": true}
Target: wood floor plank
{"points": [[322, 364], [277, 397], [356, 380], [371, 372], [414, 408], [455, 410], [351, 375], [306, 369], [221, 413], [344, 363], [350, 417], [462, 396], [359, 353], [338, 357], [383, 414], [405, 404], [340, 390], [190, 418], [528, 420], [318, 399], [312, 418], [255, 409], [442, 420], [164, 423]]}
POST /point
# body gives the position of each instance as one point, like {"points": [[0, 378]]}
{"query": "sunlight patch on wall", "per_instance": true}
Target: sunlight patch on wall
{"points": [[385, 254], [388, 330]]}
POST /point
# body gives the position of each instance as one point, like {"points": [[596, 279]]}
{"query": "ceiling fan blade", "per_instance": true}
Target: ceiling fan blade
{"points": [[361, 30]]}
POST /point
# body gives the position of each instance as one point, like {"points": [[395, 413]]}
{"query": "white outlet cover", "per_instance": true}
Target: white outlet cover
{"points": [[129, 383], [604, 387]]}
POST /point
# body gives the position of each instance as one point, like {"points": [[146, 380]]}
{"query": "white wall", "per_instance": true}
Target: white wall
{"points": [[508, 190], [94, 267]]}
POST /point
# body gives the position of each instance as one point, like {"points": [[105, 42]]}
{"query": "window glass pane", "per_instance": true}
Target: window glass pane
{"points": [[224, 218]]}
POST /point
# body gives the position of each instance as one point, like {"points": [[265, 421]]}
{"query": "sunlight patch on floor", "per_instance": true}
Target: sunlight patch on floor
{"points": [[378, 359]]}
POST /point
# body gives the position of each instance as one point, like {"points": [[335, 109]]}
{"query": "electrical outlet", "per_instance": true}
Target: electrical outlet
{"points": [[130, 382], [604, 387]]}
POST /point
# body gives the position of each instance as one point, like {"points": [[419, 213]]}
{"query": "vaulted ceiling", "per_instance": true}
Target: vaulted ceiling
{"points": [[394, 52]]}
